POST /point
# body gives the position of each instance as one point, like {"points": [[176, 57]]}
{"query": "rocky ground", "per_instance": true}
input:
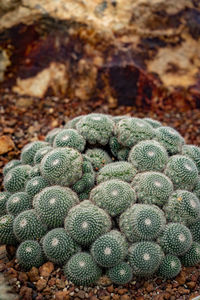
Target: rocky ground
{"points": [[26, 119]]}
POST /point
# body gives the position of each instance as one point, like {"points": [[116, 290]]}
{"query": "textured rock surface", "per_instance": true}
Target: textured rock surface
{"points": [[138, 52]]}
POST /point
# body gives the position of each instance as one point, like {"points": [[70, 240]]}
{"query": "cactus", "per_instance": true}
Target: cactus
{"points": [[18, 202], [15, 180], [70, 138], [29, 151], [170, 139], [170, 267], [82, 269], [27, 226], [152, 188], [51, 135], [117, 170], [29, 254], [4, 196], [148, 156], [98, 158], [195, 230], [86, 222], [182, 171], [62, 166], [41, 153], [96, 128], [130, 131], [114, 196], [145, 258], [193, 152], [35, 185], [182, 207], [109, 249], [153, 123], [53, 203], [142, 222], [176, 239], [6, 230], [11, 164], [58, 246], [192, 256], [121, 273], [82, 196]]}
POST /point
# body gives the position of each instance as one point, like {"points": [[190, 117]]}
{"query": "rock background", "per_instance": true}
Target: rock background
{"points": [[133, 52]]}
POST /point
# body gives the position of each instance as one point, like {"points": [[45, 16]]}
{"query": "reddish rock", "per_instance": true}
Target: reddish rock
{"points": [[23, 276], [40, 284], [122, 291], [116, 297], [191, 284], [110, 288], [12, 273], [6, 144], [52, 281], [26, 293], [149, 287], [125, 297], [181, 278], [183, 291], [60, 283], [46, 269], [33, 274], [62, 295]]}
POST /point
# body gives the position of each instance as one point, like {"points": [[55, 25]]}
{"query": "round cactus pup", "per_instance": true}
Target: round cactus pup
{"points": [[145, 258], [152, 122], [51, 135], [53, 203], [87, 180], [18, 202], [182, 207], [62, 166], [96, 128], [41, 153], [192, 256], [29, 151], [86, 222], [10, 165], [6, 230], [170, 267], [98, 157], [81, 269], [195, 230], [15, 180], [29, 254], [69, 138], [121, 273], [117, 170], [34, 171], [193, 152], [196, 189], [142, 222], [109, 249], [114, 196], [170, 139], [182, 171], [120, 152], [130, 131], [176, 239], [72, 123], [58, 246], [27, 226], [148, 156], [35, 185], [4, 196], [152, 188]]}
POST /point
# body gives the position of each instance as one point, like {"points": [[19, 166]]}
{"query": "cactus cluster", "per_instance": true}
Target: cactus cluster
{"points": [[105, 195]]}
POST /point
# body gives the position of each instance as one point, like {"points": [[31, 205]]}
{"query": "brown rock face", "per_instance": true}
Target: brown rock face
{"points": [[129, 52]]}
